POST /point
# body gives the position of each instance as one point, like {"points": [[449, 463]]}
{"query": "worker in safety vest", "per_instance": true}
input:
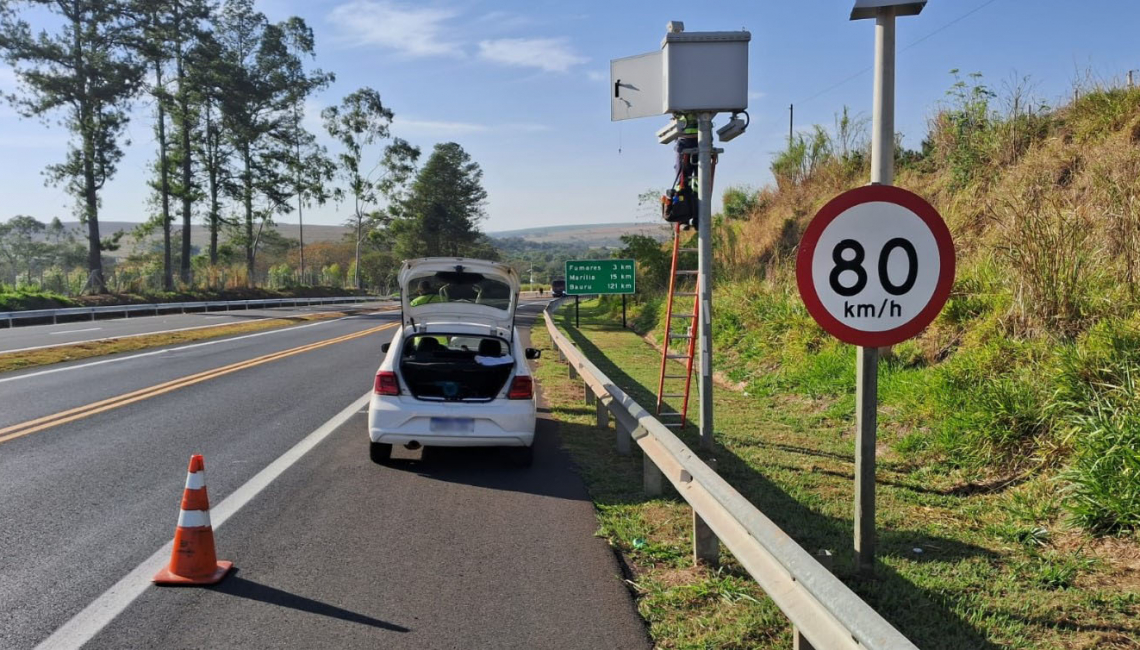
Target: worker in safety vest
{"points": [[425, 295], [680, 202]]}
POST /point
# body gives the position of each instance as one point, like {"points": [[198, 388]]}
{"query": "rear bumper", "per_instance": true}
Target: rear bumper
{"points": [[402, 420]]}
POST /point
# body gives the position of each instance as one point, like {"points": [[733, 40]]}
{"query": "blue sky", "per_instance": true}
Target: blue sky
{"points": [[523, 86]]}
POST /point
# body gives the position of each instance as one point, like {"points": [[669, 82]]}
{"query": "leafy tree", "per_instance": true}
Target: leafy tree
{"points": [[206, 74], [88, 70], [359, 121], [21, 245], [440, 215], [264, 74], [653, 262]]}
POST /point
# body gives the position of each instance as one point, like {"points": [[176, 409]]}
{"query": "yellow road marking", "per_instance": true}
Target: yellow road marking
{"points": [[87, 410]]}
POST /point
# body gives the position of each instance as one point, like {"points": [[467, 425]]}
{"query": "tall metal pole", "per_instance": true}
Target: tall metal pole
{"points": [[704, 274], [867, 359], [791, 121]]}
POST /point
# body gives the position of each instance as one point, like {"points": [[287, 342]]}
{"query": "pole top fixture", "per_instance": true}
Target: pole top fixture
{"points": [[875, 8]]}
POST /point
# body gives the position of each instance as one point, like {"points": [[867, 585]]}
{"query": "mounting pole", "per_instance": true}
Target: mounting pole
{"points": [[704, 274], [867, 359]]}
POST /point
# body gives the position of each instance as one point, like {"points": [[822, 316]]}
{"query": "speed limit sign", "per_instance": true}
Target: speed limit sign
{"points": [[875, 266]]}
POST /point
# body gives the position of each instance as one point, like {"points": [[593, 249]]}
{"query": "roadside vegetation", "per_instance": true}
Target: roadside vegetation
{"points": [[1029, 376], [228, 89], [22, 298], [965, 560]]}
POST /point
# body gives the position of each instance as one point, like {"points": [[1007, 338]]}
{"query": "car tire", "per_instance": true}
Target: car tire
{"points": [[380, 452], [521, 456]]}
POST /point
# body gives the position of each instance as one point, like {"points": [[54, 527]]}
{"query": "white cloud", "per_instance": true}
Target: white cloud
{"points": [[757, 95], [549, 54], [444, 128], [410, 30], [436, 127], [597, 75]]}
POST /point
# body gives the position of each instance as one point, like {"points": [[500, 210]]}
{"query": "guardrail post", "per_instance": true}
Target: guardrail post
{"points": [[799, 641], [54, 319], [561, 356], [624, 437], [651, 477], [573, 371], [590, 397], [603, 414], [706, 546]]}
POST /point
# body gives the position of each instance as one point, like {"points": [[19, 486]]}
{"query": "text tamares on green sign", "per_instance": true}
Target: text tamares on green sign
{"points": [[593, 277]]}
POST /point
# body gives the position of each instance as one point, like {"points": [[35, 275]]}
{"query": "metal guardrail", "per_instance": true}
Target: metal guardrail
{"points": [[825, 612], [54, 314]]}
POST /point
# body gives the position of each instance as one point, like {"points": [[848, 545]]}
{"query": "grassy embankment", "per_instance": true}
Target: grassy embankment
{"points": [[1029, 375], [962, 564]]}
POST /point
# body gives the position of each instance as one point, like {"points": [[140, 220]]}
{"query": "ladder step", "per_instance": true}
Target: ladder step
{"points": [[668, 395], [688, 250], [664, 413], [686, 272], [676, 376], [676, 356], [680, 336], [674, 425]]}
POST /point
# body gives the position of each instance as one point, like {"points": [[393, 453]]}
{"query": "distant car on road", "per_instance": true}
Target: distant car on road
{"points": [[455, 373], [558, 288]]}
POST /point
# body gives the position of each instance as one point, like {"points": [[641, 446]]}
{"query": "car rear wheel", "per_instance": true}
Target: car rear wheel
{"points": [[380, 452], [521, 456]]}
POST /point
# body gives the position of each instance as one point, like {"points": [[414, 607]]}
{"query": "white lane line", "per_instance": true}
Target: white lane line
{"points": [[177, 349], [88, 329], [86, 624]]}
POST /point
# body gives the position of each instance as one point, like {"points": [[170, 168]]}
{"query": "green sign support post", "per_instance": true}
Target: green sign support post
{"points": [[601, 277]]}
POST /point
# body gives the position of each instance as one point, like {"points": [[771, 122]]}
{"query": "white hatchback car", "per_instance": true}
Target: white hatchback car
{"points": [[455, 373]]}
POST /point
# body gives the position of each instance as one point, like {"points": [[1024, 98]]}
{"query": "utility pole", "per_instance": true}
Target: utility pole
{"points": [[791, 121], [704, 273]]}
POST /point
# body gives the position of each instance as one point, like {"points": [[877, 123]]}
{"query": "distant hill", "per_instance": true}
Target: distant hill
{"points": [[200, 235], [593, 235], [590, 235]]}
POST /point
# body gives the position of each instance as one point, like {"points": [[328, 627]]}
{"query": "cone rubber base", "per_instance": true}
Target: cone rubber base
{"points": [[165, 577]]}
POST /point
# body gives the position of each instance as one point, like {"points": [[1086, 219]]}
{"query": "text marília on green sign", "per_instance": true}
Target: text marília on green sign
{"points": [[593, 277]]}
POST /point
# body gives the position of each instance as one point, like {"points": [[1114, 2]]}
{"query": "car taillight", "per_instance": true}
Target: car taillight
{"points": [[521, 388], [386, 383]]}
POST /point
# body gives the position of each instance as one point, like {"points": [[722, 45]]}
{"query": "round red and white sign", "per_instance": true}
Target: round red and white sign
{"points": [[875, 265]]}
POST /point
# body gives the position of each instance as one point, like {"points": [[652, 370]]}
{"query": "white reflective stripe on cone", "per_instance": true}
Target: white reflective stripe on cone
{"points": [[196, 480], [193, 518]]}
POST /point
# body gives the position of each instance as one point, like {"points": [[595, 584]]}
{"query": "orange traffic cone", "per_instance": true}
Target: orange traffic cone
{"points": [[193, 560]]}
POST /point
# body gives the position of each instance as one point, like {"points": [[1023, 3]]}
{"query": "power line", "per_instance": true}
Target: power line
{"points": [[909, 46]]}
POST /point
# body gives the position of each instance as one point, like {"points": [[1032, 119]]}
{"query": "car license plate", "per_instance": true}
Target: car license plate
{"points": [[453, 425]]}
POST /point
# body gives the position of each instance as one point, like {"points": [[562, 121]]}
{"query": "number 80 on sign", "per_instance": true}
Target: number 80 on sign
{"points": [[875, 266]]}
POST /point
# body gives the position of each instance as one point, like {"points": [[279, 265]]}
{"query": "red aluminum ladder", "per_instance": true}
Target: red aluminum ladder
{"points": [[676, 419]]}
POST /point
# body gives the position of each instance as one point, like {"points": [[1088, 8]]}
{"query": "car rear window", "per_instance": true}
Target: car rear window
{"points": [[458, 287]]}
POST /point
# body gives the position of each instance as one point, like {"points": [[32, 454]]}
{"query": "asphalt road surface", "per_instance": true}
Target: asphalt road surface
{"points": [[454, 549], [38, 336]]}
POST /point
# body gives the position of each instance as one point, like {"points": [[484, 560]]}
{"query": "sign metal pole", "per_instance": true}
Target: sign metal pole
{"points": [[867, 358], [704, 274]]}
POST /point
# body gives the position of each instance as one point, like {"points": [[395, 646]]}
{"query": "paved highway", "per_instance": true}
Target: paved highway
{"points": [[453, 550], [38, 336]]}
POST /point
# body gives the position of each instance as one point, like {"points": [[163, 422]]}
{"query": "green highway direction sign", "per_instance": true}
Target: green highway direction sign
{"points": [[593, 277]]}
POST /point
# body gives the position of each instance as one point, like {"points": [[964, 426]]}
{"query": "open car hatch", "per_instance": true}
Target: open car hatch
{"points": [[458, 290]]}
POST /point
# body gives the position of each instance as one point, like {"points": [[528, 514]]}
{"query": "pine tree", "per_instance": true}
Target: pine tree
{"points": [[89, 71]]}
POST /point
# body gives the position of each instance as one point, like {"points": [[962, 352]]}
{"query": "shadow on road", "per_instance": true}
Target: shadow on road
{"points": [[551, 475], [242, 588], [925, 615]]}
